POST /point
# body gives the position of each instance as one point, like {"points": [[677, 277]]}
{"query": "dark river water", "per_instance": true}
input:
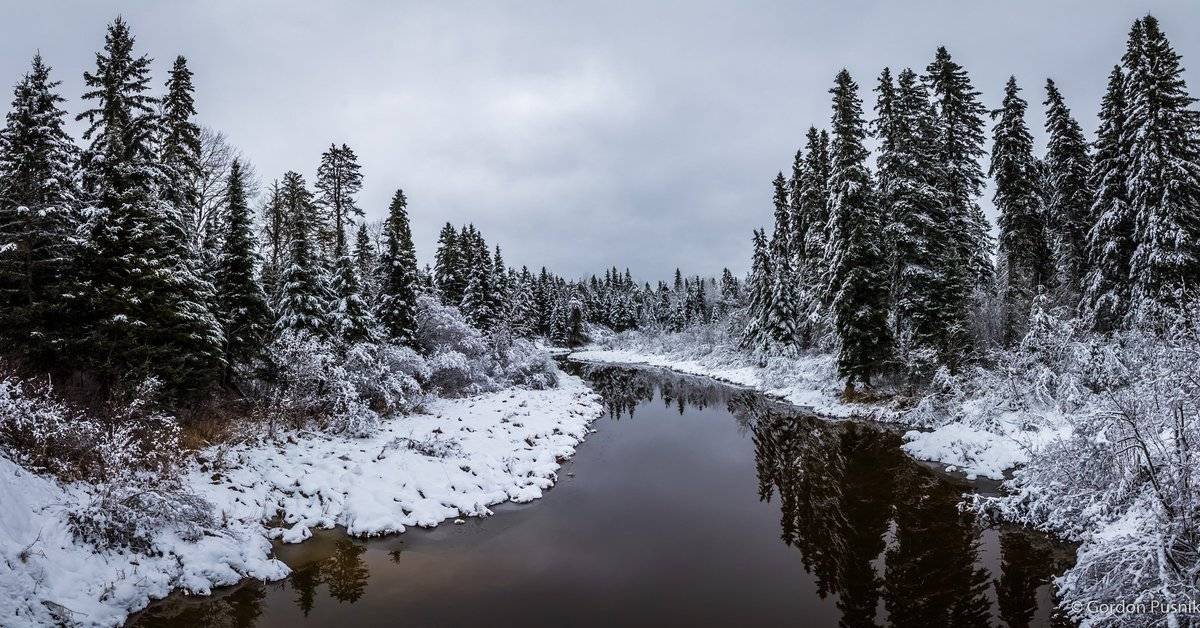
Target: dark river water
{"points": [[694, 504]]}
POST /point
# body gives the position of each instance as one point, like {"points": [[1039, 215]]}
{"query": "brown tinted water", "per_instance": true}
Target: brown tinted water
{"points": [[694, 504]]}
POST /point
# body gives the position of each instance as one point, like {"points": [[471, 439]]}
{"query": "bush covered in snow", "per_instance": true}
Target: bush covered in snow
{"points": [[340, 390], [125, 460], [463, 361], [1124, 480]]}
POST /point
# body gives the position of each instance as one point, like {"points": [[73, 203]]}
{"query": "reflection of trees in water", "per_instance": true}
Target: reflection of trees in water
{"points": [[930, 574], [304, 582], [345, 572], [623, 388], [1028, 561], [845, 489]]}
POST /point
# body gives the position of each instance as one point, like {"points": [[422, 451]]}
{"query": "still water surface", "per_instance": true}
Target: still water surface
{"points": [[694, 504]]}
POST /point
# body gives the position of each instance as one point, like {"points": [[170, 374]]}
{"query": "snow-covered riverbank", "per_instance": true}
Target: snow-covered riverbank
{"points": [[458, 459]]}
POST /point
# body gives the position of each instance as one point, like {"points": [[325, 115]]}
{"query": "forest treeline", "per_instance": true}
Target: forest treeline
{"points": [[139, 255], [897, 266]]}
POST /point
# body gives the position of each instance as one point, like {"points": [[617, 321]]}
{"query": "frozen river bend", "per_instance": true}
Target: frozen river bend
{"points": [[694, 503]]}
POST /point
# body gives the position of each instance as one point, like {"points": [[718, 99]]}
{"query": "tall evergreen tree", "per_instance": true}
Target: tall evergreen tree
{"points": [[242, 308], [351, 318], [398, 284], [142, 312], [783, 311], [476, 265], [301, 305], [37, 198], [798, 218], [761, 275], [1110, 240], [1164, 178], [958, 146], [859, 271], [812, 272], [1023, 255], [447, 267], [367, 263], [1069, 197], [339, 178], [500, 288], [914, 222], [179, 156], [275, 234]]}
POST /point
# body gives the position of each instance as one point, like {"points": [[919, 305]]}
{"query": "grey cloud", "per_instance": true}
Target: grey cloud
{"points": [[577, 135]]}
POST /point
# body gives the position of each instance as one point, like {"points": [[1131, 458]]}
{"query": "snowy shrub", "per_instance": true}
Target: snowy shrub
{"points": [[313, 385], [132, 512], [387, 377], [345, 390], [126, 458], [44, 434], [461, 360], [308, 381], [444, 329], [520, 363], [1124, 483], [452, 373]]}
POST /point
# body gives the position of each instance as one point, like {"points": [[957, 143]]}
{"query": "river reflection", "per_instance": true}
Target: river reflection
{"points": [[694, 504]]}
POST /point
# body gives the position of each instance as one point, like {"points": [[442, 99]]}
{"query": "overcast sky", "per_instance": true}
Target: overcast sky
{"points": [[577, 135]]}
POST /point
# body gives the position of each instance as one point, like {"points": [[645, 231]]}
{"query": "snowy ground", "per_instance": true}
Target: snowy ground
{"points": [[462, 457], [972, 447]]}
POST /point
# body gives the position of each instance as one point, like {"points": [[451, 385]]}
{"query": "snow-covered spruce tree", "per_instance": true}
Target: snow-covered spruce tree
{"points": [[812, 273], [798, 216], [500, 289], [366, 260], [1105, 300], [37, 198], [1164, 179], [1069, 196], [276, 236], [783, 317], [782, 312], [179, 156], [958, 147], [523, 318], [755, 336], [339, 178], [398, 270], [446, 267], [192, 292], [352, 319], [914, 221], [859, 271], [1023, 257], [814, 195], [242, 308], [476, 265], [302, 302], [730, 294], [140, 311]]}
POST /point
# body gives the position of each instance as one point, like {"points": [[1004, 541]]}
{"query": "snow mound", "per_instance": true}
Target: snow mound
{"points": [[973, 451]]}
